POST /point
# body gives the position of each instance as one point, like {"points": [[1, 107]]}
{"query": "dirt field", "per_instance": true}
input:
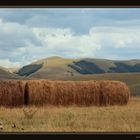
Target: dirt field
{"points": [[68, 119]]}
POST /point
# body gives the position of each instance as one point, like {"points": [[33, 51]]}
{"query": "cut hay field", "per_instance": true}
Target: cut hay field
{"points": [[73, 119]]}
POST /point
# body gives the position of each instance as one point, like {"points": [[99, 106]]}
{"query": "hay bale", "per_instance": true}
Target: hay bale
{"points": [[11, 93], [79, 93], [63, 92], [114, 93], [40, 92], [45, 92], [87, 93], [100, 93]]}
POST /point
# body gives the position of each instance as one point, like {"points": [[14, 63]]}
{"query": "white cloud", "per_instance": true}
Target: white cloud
{"points": [[117, 37], [22, 44], [7, 63], [15, 35], [13, 38], [65, 42]]}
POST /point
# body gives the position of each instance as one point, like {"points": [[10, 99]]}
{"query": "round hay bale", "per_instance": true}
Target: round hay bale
{"points": [[63, 92], [79, 93], [114, 93], [45, 92], [40, 92], [11, 93], [87, 93]]}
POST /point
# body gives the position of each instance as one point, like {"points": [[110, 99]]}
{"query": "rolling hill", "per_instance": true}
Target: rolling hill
{"points": [[48, 68], [60, 67], [5, 74]]}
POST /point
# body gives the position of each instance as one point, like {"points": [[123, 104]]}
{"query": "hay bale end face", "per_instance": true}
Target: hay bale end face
{"points": [[65, 93]]}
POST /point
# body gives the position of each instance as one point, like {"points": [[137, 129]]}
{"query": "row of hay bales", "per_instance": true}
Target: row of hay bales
{"points": [[45, 92]]}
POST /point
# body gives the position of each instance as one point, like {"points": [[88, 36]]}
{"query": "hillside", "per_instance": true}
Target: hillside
{"points": [[4, 74], [48, 68], [60, 67], [97, 66]]}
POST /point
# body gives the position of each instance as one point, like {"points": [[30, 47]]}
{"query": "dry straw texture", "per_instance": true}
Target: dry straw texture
{"points": [[11, 93], [81, 93], [114, 92], [86, 93], [63, 93]]}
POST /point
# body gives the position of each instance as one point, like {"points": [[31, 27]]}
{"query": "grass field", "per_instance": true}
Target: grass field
{"points": [[74, 119]]}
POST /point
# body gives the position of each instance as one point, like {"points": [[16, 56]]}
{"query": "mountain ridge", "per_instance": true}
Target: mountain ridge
{"points": [[59, 66]]}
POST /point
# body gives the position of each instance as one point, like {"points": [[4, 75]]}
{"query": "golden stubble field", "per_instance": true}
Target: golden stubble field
{"points": [[73, 119]]}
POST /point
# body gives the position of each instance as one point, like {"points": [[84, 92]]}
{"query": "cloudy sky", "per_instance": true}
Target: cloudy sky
{"points": [[27, 35]]}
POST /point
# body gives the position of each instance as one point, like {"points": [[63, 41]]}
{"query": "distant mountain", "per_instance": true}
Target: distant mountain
{"points": [[98, 66], [11, 70], [5, 74], [48, 68], [57, 67]]}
